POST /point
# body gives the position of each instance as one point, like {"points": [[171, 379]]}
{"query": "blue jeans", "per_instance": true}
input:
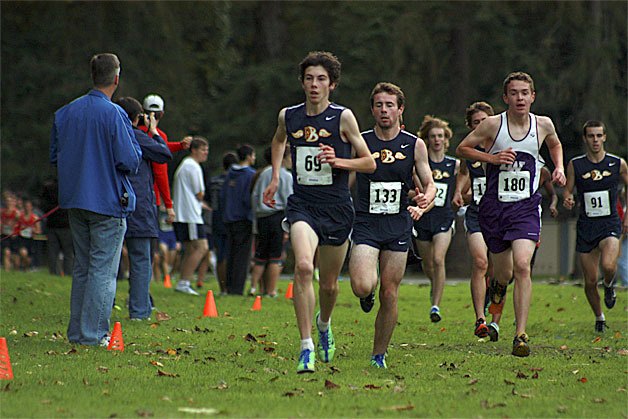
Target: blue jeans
{"points": [[97, 243], [622, 262], [140, 272]]}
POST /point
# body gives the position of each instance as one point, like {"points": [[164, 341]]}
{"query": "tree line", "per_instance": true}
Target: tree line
{"points": [[225, 68]]}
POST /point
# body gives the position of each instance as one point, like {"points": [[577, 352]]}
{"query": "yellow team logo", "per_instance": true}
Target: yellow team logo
{"points": [[311, 134], [476, 164], [387, 156], [438, 175], [596, 175]]}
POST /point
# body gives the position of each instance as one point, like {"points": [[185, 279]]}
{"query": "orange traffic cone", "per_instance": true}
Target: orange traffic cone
{"points": [[289, 291], [167, 283], [257, 304], [116, 343], [210, 305], [6, 372]]}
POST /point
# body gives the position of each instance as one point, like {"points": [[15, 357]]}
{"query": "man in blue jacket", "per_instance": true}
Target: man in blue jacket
{"points": [[238, 218], [142, 225], [93, 146]]}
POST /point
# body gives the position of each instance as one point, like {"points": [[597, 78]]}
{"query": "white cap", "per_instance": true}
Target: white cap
{"points": [[153, 103]]}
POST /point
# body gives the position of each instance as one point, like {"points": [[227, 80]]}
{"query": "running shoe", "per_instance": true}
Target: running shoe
{"points": [[609, 295], [435, 316], [520, 345], [496, 291], [493, 331], [379, 361], [306, 362], [600, 326], [185, 288], [367, 302], [481, 330], [326, 345]]}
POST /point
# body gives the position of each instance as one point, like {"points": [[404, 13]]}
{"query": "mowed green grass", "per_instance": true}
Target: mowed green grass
{"points": [[242, 364]]}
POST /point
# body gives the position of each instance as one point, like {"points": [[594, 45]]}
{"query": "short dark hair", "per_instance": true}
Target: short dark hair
{"points": [[244, 151], [131, 106], [593, 124], [325, 59], [229, 159], [391, 89], [477, 107], [105, 67], [518, 75], [198, 142]]}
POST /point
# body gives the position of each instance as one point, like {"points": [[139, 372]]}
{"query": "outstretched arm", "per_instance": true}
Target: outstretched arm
{"points": [[278, 147]]}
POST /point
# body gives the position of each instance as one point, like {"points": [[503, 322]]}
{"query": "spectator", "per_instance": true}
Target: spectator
{"points": [[189, 229], [270, 236], [10, 217], [58, 231], [28, 227], [219, 231], [94, 148], [142, 225], [238, 218]]}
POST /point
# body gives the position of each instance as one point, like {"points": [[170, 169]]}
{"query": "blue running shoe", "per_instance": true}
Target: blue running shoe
{"points": [[379, 361], [326, 345], [306, 362]]}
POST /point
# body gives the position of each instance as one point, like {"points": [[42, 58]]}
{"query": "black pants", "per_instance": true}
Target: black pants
{"points": [[239, 237], [60, 241]]}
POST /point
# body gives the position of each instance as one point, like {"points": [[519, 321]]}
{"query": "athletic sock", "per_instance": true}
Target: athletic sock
{"points": [[322, 326], [435, 308], [612, 281], [307, 344], [600, 318]]}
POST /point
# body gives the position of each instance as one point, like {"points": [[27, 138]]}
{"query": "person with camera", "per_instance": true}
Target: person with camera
{"points": [[94, 149], [142, 226]]}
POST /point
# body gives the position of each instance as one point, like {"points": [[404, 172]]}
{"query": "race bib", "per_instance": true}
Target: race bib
{"points": [[7, 229], [310, 171], [479, 187], [385, 197], [513, 186], [441, 194], [597, 204]]}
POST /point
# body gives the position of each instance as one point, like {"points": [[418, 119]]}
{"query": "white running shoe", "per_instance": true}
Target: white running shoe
{"points": [[184, 287]]}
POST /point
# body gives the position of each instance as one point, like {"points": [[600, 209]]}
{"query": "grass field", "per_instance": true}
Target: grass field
{"points": [[242, 364]]}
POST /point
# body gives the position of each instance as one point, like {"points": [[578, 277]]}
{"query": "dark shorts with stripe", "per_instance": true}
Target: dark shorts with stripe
{"points": [[590, 232], [269, 239], [504, 222], [168, 238], [189, 231], [472, 220], [383, 232], [428, 226], [332, 223]]}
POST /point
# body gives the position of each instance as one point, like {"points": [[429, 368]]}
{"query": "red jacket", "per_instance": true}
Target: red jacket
{"points": [[160, 171]]}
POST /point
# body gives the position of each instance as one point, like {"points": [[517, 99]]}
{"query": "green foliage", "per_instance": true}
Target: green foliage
{"points": [[226, 68], [242, 364]]}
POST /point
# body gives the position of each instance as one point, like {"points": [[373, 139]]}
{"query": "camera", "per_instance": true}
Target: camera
{"points": [[142, 120]]}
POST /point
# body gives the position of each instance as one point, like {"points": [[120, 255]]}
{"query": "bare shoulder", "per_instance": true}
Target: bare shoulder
{"points": [[489, 126]]}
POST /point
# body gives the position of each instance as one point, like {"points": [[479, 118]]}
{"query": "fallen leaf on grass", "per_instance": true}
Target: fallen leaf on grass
{"points": [[222, 385], [510, 383], [331, 385], [486, 405], [72, 351], [474, 381], [535, 375], [583, 380], [171, 351], [250, 338], [561, 409], [198, 410], [599, 400], [103, 369], [161, 373], [617, 335], [144, 413], [536, 369], [563, 347], [7, 387], [162, 316], [523, 396], [51, 353], [156, 363], [269, 349], [31, 334], [397, 408], [521, 375], [85, 382], [622, 352], [372, 387], [154, 325], [596, 340], [334, 369]]}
